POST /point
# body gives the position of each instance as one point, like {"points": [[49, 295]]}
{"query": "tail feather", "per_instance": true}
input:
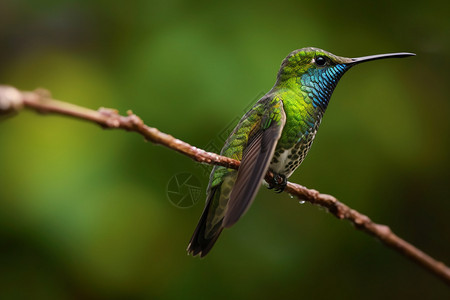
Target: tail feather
{"points": [[200, 244]]}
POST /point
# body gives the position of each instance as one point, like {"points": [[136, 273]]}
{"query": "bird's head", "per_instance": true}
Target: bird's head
{"points": [[317, 71]]}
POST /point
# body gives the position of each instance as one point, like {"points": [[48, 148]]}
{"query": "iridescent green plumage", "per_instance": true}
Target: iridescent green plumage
{"points": [[275, 134]]}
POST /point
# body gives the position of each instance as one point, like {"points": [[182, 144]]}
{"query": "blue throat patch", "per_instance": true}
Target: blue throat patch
{"points": [[319, 84]]}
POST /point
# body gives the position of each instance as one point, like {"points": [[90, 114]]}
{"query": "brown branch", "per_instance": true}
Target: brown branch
{"points": [[12, 100]]}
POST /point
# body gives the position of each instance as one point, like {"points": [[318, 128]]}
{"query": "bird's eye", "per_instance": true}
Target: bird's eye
{"points": [[320, 61]]}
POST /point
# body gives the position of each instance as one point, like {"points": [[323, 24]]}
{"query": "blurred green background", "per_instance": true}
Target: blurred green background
{"points": [[84, 212]]}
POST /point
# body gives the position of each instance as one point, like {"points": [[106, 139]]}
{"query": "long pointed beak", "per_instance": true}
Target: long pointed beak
{"points": [[380, 56]]}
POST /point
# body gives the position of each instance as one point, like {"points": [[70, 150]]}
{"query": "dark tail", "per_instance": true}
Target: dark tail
{"points": [[200, 244]]}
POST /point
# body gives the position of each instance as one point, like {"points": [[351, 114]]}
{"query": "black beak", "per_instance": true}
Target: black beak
{"points": [[380, 56]]}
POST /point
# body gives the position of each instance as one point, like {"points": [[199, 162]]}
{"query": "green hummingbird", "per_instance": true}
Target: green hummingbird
{"points": [[275, 134]]}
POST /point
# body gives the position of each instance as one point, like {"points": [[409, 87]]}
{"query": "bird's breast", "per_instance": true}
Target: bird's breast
{"points": [[286, 160], [302, 122]]}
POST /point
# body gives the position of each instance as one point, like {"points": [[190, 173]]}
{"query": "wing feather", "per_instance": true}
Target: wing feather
{"points": [[256, 158]]}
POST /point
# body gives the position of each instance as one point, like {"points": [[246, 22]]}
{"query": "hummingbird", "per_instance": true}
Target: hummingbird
{"points": [[274, 135]]}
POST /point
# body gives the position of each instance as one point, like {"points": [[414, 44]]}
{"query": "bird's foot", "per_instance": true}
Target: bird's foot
{"points": [[278, 183]]}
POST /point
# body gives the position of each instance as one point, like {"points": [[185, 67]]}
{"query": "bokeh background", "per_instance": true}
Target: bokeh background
{"points": [[84, 212]]}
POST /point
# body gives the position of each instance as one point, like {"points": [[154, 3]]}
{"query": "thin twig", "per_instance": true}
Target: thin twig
{"points": [[13, 100]]}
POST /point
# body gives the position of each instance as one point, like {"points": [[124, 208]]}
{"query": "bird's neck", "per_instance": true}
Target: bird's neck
{"points": [[314, 86], [298, 91], [291, 85], [302, 117], [300, 98]]}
